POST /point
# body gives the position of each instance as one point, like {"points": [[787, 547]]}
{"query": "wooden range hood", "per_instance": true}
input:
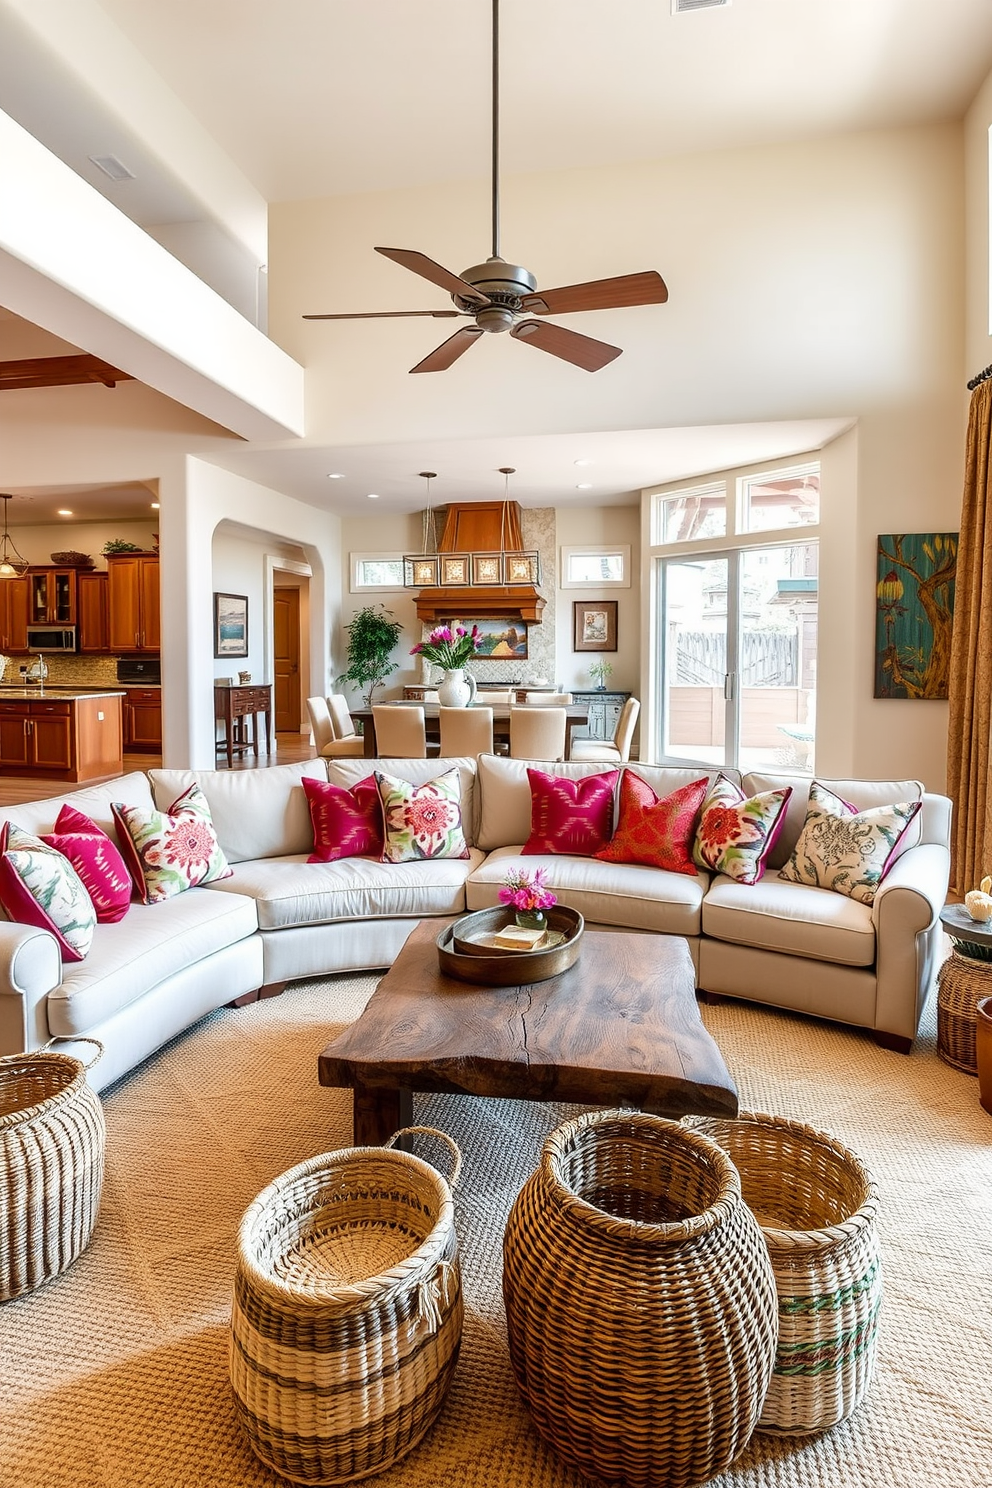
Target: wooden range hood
{"points": [[481, 527]]}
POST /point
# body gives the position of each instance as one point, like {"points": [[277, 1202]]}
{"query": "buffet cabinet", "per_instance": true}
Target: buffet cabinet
{"points": [[604, 710]]}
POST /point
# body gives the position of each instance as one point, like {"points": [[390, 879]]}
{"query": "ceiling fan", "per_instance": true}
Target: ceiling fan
{"points": [[500, 296]]}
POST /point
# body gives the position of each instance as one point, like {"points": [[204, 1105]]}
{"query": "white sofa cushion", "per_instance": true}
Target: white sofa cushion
{"points": [[94, 800], [861, 794], [150, 944], [348, 772], [256, 813], [774, 915], [505, 800], [622, 894], [291, 892]]}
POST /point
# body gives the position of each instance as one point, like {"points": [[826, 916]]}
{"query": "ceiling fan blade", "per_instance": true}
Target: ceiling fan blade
{"points": [[419, 263], [386, 314], [600, 294], [449, 351], [569, 345]]}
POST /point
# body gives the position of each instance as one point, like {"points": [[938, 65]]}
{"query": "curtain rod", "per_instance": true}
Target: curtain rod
{"points": [[983, 376]]}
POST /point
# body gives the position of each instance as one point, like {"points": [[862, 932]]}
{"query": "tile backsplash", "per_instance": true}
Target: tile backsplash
{"points": [[68, 671]]}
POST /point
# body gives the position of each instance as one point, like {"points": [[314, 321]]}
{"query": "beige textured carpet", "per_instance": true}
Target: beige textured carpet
{"points": [[116, 1373]]}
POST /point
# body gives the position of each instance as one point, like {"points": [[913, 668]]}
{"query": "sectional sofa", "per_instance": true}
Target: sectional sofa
{"points": [[278, 917]]}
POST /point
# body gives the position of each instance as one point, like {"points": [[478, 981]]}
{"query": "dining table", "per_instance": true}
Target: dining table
{"points": [[576, 716]]}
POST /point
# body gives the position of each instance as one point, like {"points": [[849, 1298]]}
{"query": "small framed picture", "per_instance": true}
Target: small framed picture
{"points": [[455, 570], [594, 625], [230, 624]]}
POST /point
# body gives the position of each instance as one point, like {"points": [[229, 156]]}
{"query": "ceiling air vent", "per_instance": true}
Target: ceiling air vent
{"points": [[112, 167], [678, 6]]}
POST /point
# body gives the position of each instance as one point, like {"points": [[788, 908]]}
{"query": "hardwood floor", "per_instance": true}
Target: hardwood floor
{"points": [[16, 788]]}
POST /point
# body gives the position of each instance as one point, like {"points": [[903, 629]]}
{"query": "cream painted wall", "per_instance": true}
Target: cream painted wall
{"points": [[977, 124], [37, 544], [596, 526]]}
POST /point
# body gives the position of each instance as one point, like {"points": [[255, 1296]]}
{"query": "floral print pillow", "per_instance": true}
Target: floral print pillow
{"points": [[737, 832], [844, 849], [39, 886], [170, 851], [422, 821]]}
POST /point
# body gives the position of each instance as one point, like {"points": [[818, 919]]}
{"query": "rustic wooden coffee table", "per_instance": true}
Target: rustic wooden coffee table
{"points": [[619, 1028]]}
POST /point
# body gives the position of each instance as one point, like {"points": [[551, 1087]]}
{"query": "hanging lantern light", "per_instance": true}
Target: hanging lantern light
{"points": [[12, 565]]}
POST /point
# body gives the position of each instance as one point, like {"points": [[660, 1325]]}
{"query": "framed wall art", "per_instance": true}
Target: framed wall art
{"points": [[230, 624], [914, 610], [500, 639], [594, 625]]}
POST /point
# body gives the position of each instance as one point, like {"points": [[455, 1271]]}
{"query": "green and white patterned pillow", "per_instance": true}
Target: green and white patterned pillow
{"points": [[844, 849], [39, 886], [422, 821], [737, 832], [170, 851]]}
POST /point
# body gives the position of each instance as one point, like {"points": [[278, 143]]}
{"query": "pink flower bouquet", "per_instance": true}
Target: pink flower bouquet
{"points": [[526, 892]]}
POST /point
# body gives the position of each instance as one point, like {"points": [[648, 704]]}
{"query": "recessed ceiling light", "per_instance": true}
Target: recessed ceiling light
{"points": [[373, 495], [63, 513], [583, 462], [335, 475], [155, 506], [584, 486], [112, 167]]}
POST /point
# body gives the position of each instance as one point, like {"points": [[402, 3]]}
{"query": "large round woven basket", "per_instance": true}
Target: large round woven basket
{"points": [[816, 1203], [639, 1300], [962, 982], [347, 1313], [52, 1143]]}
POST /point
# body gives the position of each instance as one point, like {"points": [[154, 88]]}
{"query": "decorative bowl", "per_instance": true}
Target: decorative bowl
{"points": [[463, 951], [72, 559]]}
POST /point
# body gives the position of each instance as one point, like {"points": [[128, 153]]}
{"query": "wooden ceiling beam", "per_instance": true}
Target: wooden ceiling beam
{"points": [[60, 371]]}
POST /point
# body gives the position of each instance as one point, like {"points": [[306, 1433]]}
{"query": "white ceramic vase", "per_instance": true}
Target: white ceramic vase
{"points": [[457, 689]]}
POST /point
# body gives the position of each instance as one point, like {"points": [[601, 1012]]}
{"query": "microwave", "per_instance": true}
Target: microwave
{"points": [[51, 638]]}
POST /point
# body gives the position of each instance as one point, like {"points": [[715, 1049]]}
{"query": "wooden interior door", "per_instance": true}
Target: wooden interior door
{"points": [[286, 642]]}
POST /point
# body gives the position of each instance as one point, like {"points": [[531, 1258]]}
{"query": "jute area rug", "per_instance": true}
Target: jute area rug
{"points": [[116, 1373]]}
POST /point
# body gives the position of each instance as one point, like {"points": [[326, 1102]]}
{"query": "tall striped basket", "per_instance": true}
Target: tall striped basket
{"points": [[816, 1204], [347, 1313]]}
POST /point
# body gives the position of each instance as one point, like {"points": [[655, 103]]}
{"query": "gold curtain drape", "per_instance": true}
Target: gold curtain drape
{"points": [[970, 685]]}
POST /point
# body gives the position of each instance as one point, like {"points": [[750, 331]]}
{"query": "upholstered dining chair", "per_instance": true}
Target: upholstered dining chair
{"points": [[466, 731], [324, 734], [616, 751], [494, 699], [548, 699], [399, 731], [537, 733]]}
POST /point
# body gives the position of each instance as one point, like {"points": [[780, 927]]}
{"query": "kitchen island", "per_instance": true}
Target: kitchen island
{"points": [[61, 733]]}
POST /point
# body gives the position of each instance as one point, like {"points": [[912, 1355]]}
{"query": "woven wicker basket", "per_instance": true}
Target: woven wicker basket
{"points": [[639, 1300], [52, 1141], [347, 1312], [816, 1204], [962, 982]]}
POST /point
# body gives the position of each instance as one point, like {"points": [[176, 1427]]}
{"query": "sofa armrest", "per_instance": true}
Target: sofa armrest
{"points": [[908, 936], [30, 968]]}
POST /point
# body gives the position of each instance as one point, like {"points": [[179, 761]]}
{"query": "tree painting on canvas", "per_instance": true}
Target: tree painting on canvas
{"points": [[914, 610]]}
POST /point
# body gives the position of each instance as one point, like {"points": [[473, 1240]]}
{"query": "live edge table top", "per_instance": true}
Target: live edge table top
{"points": [[620, 1028]]}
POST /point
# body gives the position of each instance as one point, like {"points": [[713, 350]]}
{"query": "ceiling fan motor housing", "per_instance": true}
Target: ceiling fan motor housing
{"points": [[505, 284]]}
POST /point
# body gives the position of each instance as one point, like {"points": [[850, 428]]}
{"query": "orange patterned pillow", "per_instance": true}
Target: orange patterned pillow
{"points": [[656, 831]]}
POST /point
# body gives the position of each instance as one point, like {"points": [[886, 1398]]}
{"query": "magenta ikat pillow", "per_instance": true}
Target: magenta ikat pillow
{"points": [[170, 851]]}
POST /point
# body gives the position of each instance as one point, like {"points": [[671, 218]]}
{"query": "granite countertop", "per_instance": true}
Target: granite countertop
{"points": [[38, 694]]}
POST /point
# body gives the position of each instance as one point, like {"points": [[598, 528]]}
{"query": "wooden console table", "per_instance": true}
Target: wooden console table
{"points": [[234, 707]]}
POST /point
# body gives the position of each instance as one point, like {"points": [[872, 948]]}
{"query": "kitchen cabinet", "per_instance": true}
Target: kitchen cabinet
{"points": [[67, 737], [13, 616], [134, 621], [93, 611], [604, 710], [143, 720], [51, 595]]}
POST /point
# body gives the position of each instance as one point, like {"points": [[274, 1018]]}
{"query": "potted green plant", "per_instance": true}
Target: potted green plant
{"points": [[599, 671], [372, 636]]}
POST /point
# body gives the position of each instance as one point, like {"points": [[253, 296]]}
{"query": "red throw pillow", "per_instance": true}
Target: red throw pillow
{"points": [[570, 816], [96, 859], [346, 823], [656, 830]]}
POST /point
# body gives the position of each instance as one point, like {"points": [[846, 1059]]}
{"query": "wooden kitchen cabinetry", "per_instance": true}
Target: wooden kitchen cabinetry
{"points": [[134, 621], [13, 616], [72, 738], [93, 611], [51, 595], [143, 720], [36, 736]]}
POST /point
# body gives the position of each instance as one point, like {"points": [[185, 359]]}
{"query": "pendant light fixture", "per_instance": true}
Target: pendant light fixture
{"points": [[12, 565], [498, 568], [421, 570]]}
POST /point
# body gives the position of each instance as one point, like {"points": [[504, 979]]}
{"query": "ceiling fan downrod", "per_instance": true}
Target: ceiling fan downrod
{"points": [[495, 151]]}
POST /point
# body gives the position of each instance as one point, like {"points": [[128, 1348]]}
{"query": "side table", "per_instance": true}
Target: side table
{"points": [[235, 707], [963, 980]]}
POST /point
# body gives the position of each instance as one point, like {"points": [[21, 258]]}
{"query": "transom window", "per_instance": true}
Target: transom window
{"points": [[376, 571], [595, 567]]}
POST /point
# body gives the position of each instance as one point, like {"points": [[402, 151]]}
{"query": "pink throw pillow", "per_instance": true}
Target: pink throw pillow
{"points": [[97, 861], [570, 816], [39, 886], [346, 823], [656, 831]]}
